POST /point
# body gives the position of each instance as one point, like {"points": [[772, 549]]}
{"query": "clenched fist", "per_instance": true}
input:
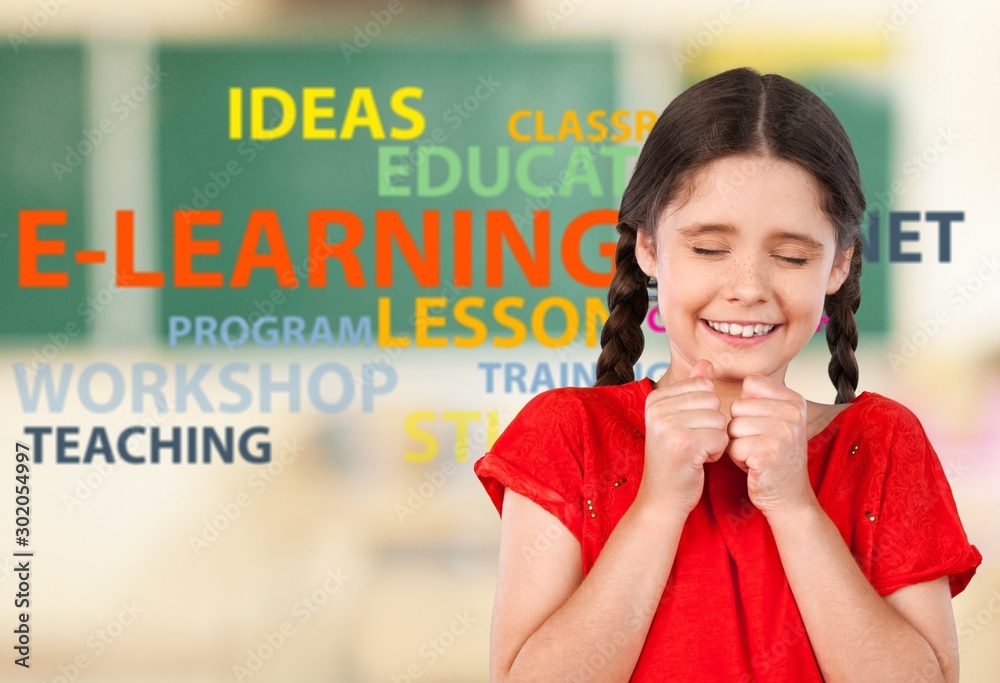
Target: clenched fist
{"points": [[685, 428], [767, 440]]}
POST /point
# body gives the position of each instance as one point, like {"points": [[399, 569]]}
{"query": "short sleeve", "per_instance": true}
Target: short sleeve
{"points": [[539, 456], [918, 534]]}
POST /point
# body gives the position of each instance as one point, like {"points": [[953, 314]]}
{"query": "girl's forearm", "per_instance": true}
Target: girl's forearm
{"points": [[855, 634], [610, 612]]}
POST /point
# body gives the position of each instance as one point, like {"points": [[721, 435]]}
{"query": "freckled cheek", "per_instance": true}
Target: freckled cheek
{"points": [[681, 314], [687, 276], [798, 293], [803, 312], [687, 291]]}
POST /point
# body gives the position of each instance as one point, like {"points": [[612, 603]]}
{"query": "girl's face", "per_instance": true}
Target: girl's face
{"points": [[749, 253]]}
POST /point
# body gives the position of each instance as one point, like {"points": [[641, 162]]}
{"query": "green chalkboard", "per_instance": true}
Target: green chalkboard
{"points": [[42, 135], [866, 114], [292, 175]]}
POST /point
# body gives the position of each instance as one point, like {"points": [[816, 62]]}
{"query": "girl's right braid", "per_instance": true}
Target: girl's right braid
{"points": [[842, 330], [622, 339]]}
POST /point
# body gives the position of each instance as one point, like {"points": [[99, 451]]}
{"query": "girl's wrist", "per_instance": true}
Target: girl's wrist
{"points": [[653, 509], [794, 515]]}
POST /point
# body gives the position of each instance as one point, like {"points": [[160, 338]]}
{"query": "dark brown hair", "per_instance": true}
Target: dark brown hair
{"points": [[738, 111]]}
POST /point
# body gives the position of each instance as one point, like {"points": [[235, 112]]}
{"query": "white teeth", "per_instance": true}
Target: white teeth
{"points": [[737, 330]]}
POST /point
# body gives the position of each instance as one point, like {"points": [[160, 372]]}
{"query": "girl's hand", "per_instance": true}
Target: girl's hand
{"points": [[767, 432], [684, 428]]}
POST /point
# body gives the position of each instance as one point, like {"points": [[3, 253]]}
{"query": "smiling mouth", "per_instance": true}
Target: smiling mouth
{"points": [[744, 330]]}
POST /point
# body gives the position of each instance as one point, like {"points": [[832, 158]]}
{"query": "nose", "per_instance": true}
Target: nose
{"points": [[747, 283]]}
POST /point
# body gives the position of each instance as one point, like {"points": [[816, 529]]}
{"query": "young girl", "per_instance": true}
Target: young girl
{"points": [[716, 525]]}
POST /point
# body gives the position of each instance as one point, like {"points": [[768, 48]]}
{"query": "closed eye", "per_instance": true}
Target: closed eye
{"points": [[707, 252], [793, 261]]}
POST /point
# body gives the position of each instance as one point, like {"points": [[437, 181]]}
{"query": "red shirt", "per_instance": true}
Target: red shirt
{"points": [[728, 613]]}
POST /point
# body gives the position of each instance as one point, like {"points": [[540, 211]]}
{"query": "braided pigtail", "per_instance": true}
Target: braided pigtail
{"points": [[622, 340], [842, 330]]}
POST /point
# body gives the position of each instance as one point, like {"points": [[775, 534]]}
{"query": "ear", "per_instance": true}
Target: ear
{"points": [[840, 270], [645, 251]]}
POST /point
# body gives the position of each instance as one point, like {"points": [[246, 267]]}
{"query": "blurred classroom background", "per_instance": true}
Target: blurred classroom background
{"points": [[343, 560]]}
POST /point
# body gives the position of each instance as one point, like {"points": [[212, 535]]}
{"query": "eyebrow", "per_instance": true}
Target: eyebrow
{"points": [[705, 228], [799, 237]]}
